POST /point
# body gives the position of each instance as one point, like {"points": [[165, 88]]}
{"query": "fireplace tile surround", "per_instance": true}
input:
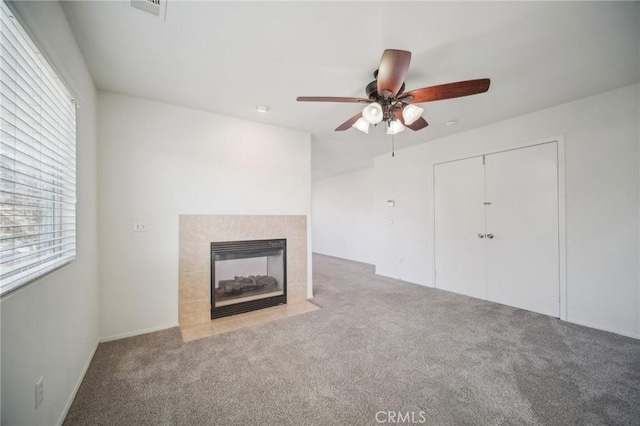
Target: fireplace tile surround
{"points": [[196, 232], [237, 322]]}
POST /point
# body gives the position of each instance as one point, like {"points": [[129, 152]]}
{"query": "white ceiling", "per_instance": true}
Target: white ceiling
{"points": [[229, 57]]}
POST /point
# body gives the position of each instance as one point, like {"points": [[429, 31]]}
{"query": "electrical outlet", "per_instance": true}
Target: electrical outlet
{"points": [[39, 392], [139, 227]]}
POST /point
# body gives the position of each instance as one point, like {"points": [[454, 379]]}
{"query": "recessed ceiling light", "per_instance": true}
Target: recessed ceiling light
{"points": [[451, 122], [262, 108]]}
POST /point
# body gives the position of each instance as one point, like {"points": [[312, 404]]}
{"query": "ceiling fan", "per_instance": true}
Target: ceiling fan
{"points": [[388, 102]]}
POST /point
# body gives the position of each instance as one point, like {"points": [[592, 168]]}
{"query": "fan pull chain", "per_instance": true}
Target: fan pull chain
{"points": [[393, 146]]}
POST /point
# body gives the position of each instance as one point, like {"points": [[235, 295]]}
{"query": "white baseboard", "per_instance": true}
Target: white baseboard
{"points": [[136, 333], [609, 330], [67, 406]]}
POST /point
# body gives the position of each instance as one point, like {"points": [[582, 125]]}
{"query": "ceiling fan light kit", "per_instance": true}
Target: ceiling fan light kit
{"points": [[372, 113], [411, 113], [387, 101], [362, 125], [394, 127]]}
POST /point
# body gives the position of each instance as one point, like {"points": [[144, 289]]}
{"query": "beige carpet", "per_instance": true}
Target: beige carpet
{"points": [[377, 349]]}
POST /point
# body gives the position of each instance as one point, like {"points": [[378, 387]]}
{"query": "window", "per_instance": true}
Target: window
{"points": [[37, 162]]}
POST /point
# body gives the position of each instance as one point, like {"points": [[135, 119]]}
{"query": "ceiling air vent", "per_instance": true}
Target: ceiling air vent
{"points": [[156, 8]]}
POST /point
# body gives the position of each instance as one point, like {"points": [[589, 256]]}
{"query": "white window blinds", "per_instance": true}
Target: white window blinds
{"points": [[37, 162]]}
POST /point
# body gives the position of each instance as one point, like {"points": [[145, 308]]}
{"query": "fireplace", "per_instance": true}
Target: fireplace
{"points": [[247, 275]]}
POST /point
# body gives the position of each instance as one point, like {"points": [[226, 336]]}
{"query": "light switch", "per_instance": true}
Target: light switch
{"points": [[391, 203], [139, 227], [39, 392]]}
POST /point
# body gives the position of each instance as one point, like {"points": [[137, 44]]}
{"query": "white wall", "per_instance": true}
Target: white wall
{"points": [[157, 161], [50, 327], [343, 215], [602, 205]]}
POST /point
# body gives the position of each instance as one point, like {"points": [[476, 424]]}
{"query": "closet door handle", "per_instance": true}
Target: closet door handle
{"points": [[490, 236], [480, 235]]}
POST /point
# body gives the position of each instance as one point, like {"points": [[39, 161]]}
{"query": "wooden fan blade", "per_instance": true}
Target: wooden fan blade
{"points": [[446, 91], [347, 124], [419, 124], [392, 72], [331, 99]]}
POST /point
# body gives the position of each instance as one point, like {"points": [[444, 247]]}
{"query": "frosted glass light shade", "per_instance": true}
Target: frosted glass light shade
{"points": [[372, 113], [411, 113], [361, 125], [394, 127]]}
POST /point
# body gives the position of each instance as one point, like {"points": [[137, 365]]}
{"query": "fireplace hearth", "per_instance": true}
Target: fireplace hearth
{"points": [[247, 276]]}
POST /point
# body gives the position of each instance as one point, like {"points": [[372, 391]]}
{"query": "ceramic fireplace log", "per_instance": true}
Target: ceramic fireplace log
{"points": [[239, 285]]}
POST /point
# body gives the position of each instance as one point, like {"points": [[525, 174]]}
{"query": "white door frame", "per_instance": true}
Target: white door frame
{"points": [[562, 232]]}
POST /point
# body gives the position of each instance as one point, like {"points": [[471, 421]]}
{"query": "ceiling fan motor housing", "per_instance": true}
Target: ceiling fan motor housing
{"points": [[389, 105], [372, 89]]}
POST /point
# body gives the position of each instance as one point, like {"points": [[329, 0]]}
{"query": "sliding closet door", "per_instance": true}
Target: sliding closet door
{"points": [[522, 257], [459, 218]]}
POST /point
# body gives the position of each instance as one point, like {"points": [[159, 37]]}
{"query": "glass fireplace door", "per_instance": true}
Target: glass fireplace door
{"points": [[247, 275]]}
